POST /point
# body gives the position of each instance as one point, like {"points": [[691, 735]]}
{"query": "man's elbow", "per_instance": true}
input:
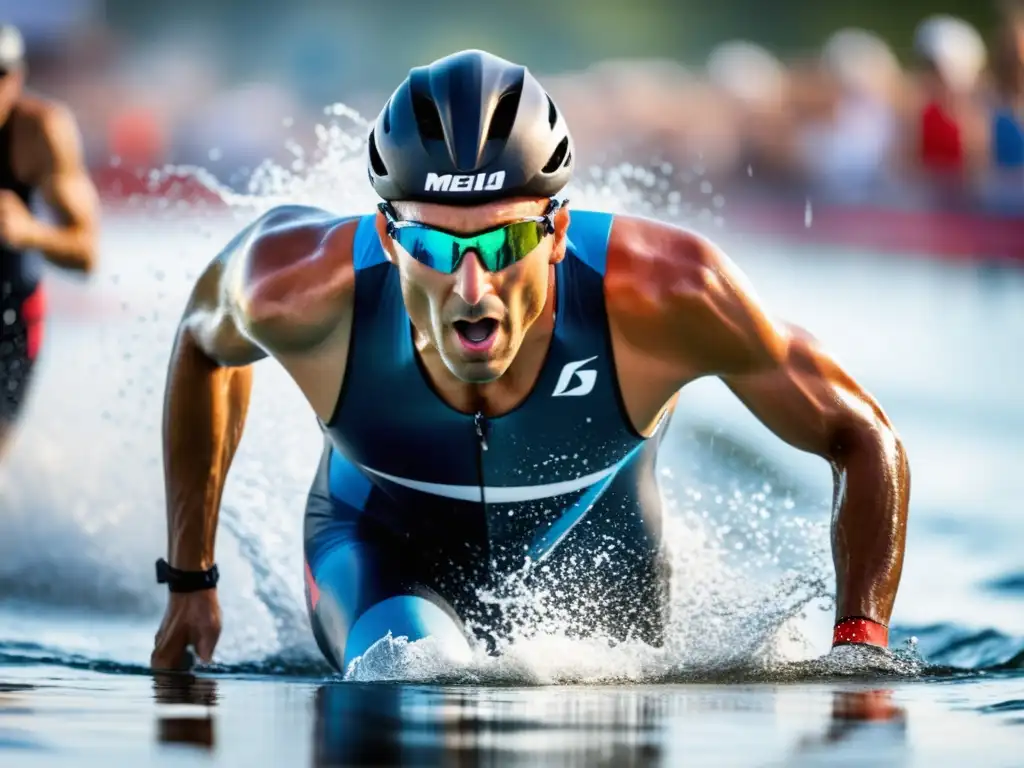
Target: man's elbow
{"points": [[870, 438], [88, 252], [75, 249]]}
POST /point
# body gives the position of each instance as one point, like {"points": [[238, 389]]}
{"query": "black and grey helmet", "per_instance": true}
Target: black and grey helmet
{"points": [[468, 129]]}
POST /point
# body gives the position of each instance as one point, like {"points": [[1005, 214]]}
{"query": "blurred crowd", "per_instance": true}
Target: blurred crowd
{"points": [[847, 124], [850, 122]]}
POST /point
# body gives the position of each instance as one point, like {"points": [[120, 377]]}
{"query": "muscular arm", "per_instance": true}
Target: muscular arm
{"points": [[205, 405], [797, 390], [693, 314], [238, 311], [809, 401], [66, 187]]}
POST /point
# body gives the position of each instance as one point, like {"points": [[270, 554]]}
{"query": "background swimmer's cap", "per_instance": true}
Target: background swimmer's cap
{"points": [[12, 47], [468, 129]]}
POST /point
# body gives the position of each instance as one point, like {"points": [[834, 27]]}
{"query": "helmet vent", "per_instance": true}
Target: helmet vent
{"points": [[428, 121], [375, 159], [552, 113], [504, 115], [560, 153], [387, 117], [568, 159]]}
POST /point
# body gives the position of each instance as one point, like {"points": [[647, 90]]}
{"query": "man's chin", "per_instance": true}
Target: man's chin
{"points": [[477, 367], [477, 371]]}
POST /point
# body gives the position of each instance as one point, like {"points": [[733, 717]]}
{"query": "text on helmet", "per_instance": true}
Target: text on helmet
{"points": [[474, 182]]}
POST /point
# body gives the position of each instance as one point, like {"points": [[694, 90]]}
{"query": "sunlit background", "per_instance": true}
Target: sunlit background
{"points": [[862, 161], [899, 105]]}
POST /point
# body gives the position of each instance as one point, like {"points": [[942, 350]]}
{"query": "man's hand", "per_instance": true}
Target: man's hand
{"points": [[191, 618], [17, 224]]}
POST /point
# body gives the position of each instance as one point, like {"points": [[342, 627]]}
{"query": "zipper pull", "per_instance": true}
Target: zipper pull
{"points": [[478, 421]]}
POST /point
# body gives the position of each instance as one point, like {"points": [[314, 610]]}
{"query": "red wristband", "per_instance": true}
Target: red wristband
{"points": [[856, 630]]}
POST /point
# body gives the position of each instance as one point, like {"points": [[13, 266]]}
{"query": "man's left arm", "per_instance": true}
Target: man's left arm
{"points": [[799, 391], [68, 190], [810, 402]]}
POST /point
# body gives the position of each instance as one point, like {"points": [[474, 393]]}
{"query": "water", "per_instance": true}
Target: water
{"points": [[741, 681]]}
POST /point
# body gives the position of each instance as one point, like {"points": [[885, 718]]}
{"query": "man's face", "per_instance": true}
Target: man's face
{"points": [[476, 319], [11, 82]]}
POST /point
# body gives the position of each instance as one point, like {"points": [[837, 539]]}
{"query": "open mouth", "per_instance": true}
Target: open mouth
{"points": [[477, 335]]}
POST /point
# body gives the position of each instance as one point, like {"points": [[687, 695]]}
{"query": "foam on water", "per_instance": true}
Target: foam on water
{"points": [[83, 493]]}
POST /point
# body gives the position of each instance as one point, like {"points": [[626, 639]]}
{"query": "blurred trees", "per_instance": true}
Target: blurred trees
{"points": [[371, 44]]}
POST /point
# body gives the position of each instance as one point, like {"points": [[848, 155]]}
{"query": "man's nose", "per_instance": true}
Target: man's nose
{"points": [[472, 281]]}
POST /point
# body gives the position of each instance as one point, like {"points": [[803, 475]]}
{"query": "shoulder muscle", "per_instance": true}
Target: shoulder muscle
{"points": [[219, 312], [677, 297]]}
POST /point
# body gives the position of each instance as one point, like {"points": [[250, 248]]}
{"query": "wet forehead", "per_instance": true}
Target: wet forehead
{"points": [[471, 218]]}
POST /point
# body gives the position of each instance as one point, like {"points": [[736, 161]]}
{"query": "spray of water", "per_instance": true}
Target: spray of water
{"points": [[83, 494]]}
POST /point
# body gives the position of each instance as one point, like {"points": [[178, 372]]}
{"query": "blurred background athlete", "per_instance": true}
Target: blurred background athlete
{"points": [[40, 156]]}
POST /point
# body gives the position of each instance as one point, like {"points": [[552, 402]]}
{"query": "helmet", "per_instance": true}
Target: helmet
{"points": [[467, 129], [12, 48]]}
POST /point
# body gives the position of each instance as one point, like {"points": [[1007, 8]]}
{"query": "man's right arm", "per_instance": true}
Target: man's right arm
{"points": [[226, 327], [206, 401], [205, 405]]}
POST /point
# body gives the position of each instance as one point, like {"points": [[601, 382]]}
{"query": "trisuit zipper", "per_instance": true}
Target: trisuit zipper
{"points": [[480, 423]]}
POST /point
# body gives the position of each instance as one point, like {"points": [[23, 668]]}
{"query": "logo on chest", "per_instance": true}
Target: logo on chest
{"points": [[575, 380]]}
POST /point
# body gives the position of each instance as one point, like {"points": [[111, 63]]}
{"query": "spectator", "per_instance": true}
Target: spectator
{"points": [[753, 84], [950, 126], [847, 153], [1008, 80]]}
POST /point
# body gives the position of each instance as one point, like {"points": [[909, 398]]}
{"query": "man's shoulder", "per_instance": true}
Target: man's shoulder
{"points": [[287, 234], [45, 118], [676, 297], [43, 130], [640, 237], [659, 258], [34, 109], [289, 225]]}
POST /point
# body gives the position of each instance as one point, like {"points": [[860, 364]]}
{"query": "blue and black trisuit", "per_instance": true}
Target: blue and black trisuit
{"points": [[418, 510]]}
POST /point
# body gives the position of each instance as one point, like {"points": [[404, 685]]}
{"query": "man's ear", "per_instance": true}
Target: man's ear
{"points": [[561, 235], [381, 225]]}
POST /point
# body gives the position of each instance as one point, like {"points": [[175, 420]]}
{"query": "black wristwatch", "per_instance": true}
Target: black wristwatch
{"points": [[185, 581]]}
